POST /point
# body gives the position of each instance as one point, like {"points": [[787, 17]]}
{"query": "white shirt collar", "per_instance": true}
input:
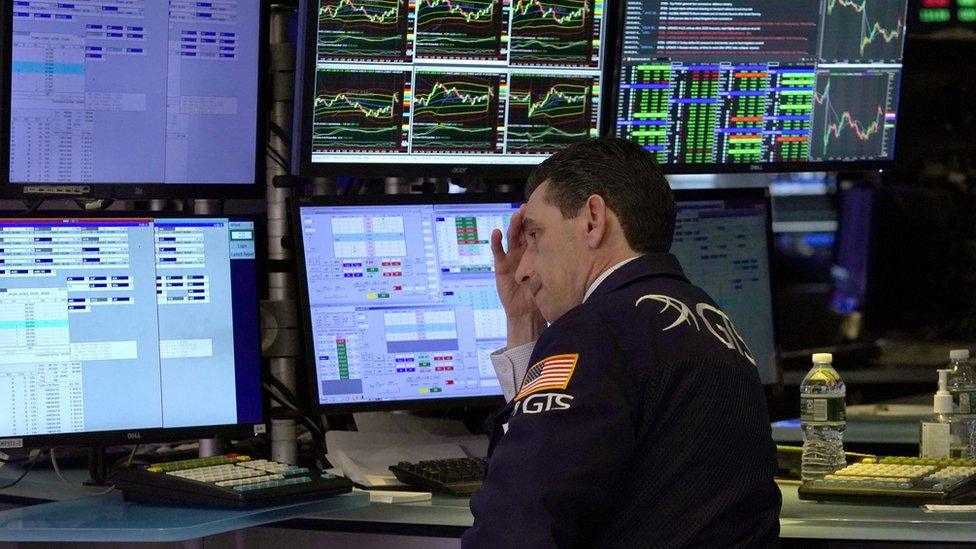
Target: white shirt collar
{"points": [[603, 276]]}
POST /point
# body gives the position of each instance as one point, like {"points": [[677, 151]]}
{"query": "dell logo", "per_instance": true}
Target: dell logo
{"points": [[755, 168], [136, 435]]}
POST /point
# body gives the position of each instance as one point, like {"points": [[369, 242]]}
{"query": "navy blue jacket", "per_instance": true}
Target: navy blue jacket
{"points": [[642, 422]]}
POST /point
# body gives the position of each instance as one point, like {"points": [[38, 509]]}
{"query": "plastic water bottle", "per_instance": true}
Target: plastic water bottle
{"points": [[962, 387], [962, 381], [823, 417]]}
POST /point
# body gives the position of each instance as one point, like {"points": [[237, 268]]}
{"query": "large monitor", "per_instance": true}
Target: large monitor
{"points": [[748, 85], [116, 330], [135, 98], [399, 297], [437, 87]]}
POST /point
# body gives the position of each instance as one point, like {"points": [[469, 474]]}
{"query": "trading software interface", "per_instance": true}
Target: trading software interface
{"points": [[93, 324], [404, 306], [723, 246], [454, 81], [134, 91], [759, 81]]}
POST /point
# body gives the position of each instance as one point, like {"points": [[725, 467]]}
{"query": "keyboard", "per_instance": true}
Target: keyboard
{"points": [[226, 481], [459, 476], [898, 480]]}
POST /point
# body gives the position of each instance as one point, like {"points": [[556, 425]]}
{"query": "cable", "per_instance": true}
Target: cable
{"points": [[30, 465], [57, 470], [279, 160]]}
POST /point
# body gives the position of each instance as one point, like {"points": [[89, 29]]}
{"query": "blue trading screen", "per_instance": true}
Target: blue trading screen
{"points": [[723, 246], [761, 81], [449, 82], [93, 324], [134, 91], [403, 304], [403, 300]]}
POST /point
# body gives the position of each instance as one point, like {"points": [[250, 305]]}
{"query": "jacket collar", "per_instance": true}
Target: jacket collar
{"points": [[648, 265]]}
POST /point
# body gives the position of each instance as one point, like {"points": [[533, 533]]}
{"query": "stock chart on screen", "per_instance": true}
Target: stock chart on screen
{"points": [[474, 82], [742, 83]]}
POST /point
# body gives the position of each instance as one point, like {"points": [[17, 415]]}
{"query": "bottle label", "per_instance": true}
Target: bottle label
{"points": [[935, 440], [964, 401], [823, 408]]}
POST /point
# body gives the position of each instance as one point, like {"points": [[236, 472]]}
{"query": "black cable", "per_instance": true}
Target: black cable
{"points": [[280, 133], [278, 159], [30, 465], [314, 427]]}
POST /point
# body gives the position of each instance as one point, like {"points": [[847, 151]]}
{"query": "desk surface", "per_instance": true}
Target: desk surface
{"points": [[75, 513], [107, 518], [449, 516]]}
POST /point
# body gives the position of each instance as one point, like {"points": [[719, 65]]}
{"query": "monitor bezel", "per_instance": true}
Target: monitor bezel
{"points": [[157, 434], [612, 83], [311, 387], [408, 167], [141, 190]]}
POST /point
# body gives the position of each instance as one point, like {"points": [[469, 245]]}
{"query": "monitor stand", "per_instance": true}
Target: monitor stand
{"points": [[97, 469], [210, 447]]}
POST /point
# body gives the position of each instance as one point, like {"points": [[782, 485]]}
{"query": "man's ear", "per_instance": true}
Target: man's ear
{"points": [[596, 212]]}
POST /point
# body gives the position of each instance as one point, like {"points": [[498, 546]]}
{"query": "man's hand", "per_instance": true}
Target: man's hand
{"points": [[525, 322]]}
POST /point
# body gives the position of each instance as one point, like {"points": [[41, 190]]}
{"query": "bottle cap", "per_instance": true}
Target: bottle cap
{"points": [[822, 358], [959, 354], [942, 403]]}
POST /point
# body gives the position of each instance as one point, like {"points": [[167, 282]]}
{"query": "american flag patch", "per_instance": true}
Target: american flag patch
{"points": [[548, 374]]}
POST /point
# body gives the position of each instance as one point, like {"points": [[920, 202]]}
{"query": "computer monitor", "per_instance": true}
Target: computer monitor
{"points": [[760, 85], [937, 17], [440, 87], [128, 329], [138, 99], [399, 298], [723, 240]]}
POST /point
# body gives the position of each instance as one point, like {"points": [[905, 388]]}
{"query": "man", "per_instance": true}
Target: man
{"points": [[634, 426]]}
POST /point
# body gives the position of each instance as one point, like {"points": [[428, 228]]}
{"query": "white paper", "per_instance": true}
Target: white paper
{"points": [[384, 422], [395, 496], [365, 458], [933, 507], [935, 439]]}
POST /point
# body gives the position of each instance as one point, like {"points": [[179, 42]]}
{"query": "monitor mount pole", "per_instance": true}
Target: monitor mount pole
{"points": [[280, 337]]}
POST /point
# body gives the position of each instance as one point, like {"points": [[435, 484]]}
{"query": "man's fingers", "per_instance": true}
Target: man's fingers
{"points": [[496, 246], [515, 229]]}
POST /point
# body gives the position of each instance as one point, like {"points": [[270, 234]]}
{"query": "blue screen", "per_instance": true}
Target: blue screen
{"points": [[134, 91], [403, 300], [126, 324], [403, 304], [723, 246]]}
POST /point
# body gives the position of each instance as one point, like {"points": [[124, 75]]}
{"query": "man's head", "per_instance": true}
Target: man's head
{"points": [[589, 207]]}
